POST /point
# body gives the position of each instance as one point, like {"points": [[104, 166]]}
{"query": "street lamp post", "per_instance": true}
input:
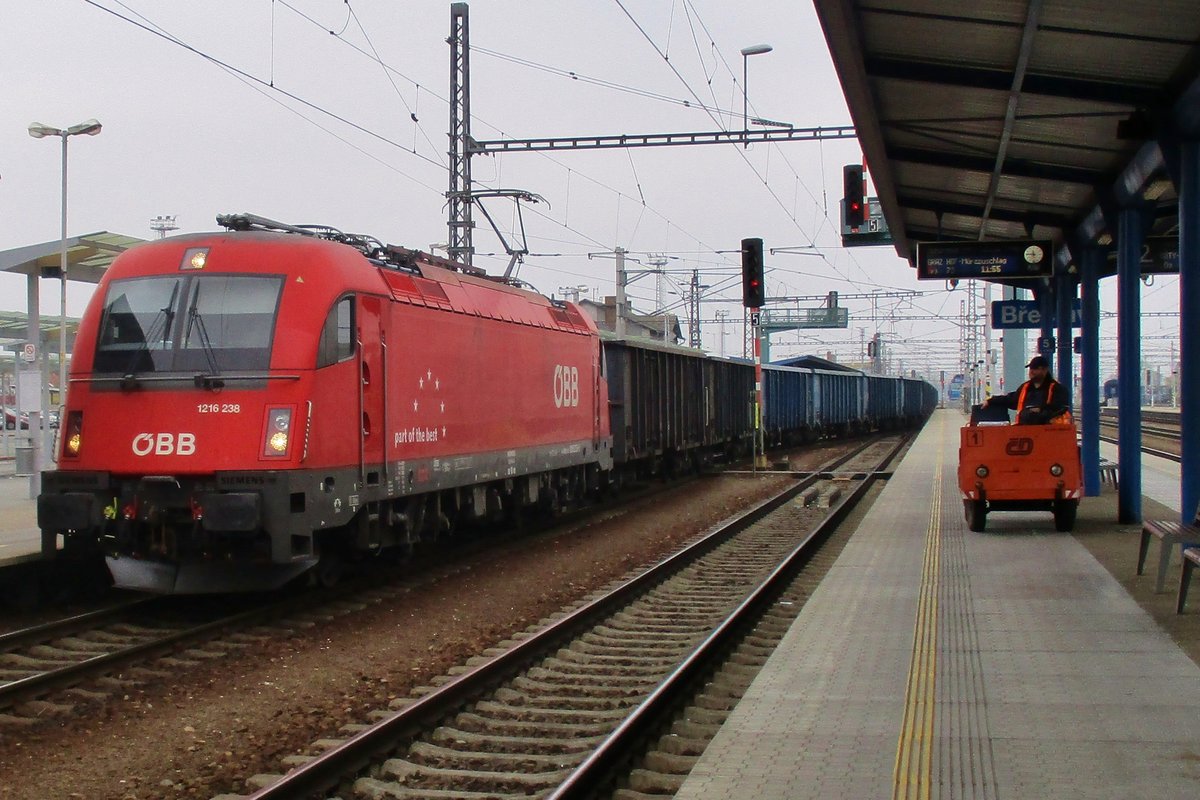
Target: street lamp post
{"points": [[752, 50], [89, 127]]}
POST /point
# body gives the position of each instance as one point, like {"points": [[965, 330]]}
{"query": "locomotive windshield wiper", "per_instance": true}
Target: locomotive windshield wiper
{"points": [[164, 317], [213, 379]]}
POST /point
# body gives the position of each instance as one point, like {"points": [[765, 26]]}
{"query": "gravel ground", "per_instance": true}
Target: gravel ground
{"points": [[217, 725]]}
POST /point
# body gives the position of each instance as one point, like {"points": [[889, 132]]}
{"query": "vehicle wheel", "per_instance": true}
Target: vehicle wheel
{"points": [[328, 572], [976, 513], [1064, 514]]}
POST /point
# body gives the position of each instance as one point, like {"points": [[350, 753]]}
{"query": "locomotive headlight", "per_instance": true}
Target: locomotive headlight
{"points": [[73, 434], [276, 439], [1056, 470], [194, 258], [981, 471]]}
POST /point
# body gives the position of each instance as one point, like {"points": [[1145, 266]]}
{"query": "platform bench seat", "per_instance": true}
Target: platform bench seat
{"points": [[1170, 533], [1108, 472], [1191, 560]]}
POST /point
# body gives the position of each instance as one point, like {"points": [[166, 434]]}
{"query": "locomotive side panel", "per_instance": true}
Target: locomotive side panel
{"points": [[462, 384]]}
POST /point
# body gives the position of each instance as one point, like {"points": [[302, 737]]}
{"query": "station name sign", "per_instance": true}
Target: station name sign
{"points": [[1024, 258], [1026, 314]]}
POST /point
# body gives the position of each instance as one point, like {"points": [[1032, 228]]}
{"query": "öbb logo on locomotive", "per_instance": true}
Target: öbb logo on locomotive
{"points": [[566, 386], [164, 444]]}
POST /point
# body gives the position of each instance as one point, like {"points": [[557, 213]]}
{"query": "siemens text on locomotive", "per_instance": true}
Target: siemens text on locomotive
{"points": [[248, 405]]}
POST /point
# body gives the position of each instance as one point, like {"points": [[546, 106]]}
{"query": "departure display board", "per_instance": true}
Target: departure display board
{"points": [[1012, 260]]}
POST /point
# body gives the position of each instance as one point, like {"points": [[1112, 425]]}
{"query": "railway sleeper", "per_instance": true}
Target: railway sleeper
{"points": [[655, 620], [678, 634], [544, 745], [699, 730], [588, 653], [502, 710], [566, 701], [574, 674], [617, 640], [585, 687], [682, 745], [375, 789], [656, 782], [487, 760], [478, 723], [706, 716], [75, 644], [411, 775]]}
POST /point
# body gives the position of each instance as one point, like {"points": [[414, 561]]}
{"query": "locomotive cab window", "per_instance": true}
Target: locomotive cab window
{"points": [[337, 335], [202, 323]]}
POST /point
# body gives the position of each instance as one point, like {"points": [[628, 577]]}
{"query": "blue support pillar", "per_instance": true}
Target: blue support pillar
{"points": [[1089, 368], [1189, 327], [1064, 292], [1132, 234]]}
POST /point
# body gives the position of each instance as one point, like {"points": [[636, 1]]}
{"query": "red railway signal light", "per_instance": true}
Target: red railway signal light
{"points": [[852, 185], [754, 291]]}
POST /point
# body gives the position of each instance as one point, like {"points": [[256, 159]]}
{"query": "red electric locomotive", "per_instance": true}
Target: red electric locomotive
{"points": [[246, 405]]}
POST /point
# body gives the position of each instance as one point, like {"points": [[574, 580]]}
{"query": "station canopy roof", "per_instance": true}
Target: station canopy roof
{"points": [[87, 256], [997, 120]]}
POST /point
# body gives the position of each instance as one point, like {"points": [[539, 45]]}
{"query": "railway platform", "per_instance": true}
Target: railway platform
{"points": [[20, 539], [938, 663]]}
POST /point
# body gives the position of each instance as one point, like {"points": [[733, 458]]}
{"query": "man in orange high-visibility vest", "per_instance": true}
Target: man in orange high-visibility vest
{"points": [[1039, 400]]}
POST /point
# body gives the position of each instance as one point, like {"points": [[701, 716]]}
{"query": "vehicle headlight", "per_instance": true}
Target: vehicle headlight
{"points": [[981, 471], [275, 435], [1056, 470]]}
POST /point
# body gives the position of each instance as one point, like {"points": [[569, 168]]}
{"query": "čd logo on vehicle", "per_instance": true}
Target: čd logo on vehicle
{"points": [[1021, 446]]}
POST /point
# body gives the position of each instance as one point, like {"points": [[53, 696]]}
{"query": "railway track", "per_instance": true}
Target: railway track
{"points": [[1160, 432], [555, 712], [49, 670]]}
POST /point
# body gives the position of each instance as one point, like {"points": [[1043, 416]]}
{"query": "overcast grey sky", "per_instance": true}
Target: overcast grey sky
{"points": [[312, 121]]}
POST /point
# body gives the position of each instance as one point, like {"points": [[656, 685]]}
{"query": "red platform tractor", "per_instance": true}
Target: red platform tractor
{"points": [[1003, 467]]}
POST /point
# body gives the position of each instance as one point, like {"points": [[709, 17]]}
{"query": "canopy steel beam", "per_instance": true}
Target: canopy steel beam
{"points": [[660, 139], [1131, 95]]}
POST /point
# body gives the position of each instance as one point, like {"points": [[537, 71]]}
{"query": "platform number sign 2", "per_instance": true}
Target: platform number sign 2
{"points": [[566, 386]]}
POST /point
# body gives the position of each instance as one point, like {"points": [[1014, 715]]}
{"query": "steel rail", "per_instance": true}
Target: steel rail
{"points": [[598, 768], [63, 627], [331, 767]]}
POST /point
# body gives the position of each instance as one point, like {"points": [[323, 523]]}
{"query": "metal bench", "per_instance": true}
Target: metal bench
{"points": [[1108, 472], [1191, 560], [1170, 533]]}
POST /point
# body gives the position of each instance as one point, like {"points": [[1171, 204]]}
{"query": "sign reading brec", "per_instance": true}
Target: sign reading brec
{"points": [[1027, 314]]}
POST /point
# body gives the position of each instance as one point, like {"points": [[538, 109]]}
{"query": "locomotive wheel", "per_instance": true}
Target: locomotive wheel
{"points": [[328, 571], [976, 513], [1064, 514]]}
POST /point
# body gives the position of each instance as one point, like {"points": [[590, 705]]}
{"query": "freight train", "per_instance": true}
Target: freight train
{"points": [[255, 404]]}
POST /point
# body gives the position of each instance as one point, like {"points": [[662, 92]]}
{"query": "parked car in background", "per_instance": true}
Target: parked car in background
{"points": [[10, 419]]}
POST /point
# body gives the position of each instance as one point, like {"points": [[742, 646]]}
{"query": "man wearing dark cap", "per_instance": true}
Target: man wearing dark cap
{"points": [[1039, 400]]}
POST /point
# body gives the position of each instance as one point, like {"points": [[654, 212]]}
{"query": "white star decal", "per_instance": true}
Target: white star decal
{"points": [[429, 374], [437, 384], [443, 431], [414, 405], [443, 408], [420, 383]]}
